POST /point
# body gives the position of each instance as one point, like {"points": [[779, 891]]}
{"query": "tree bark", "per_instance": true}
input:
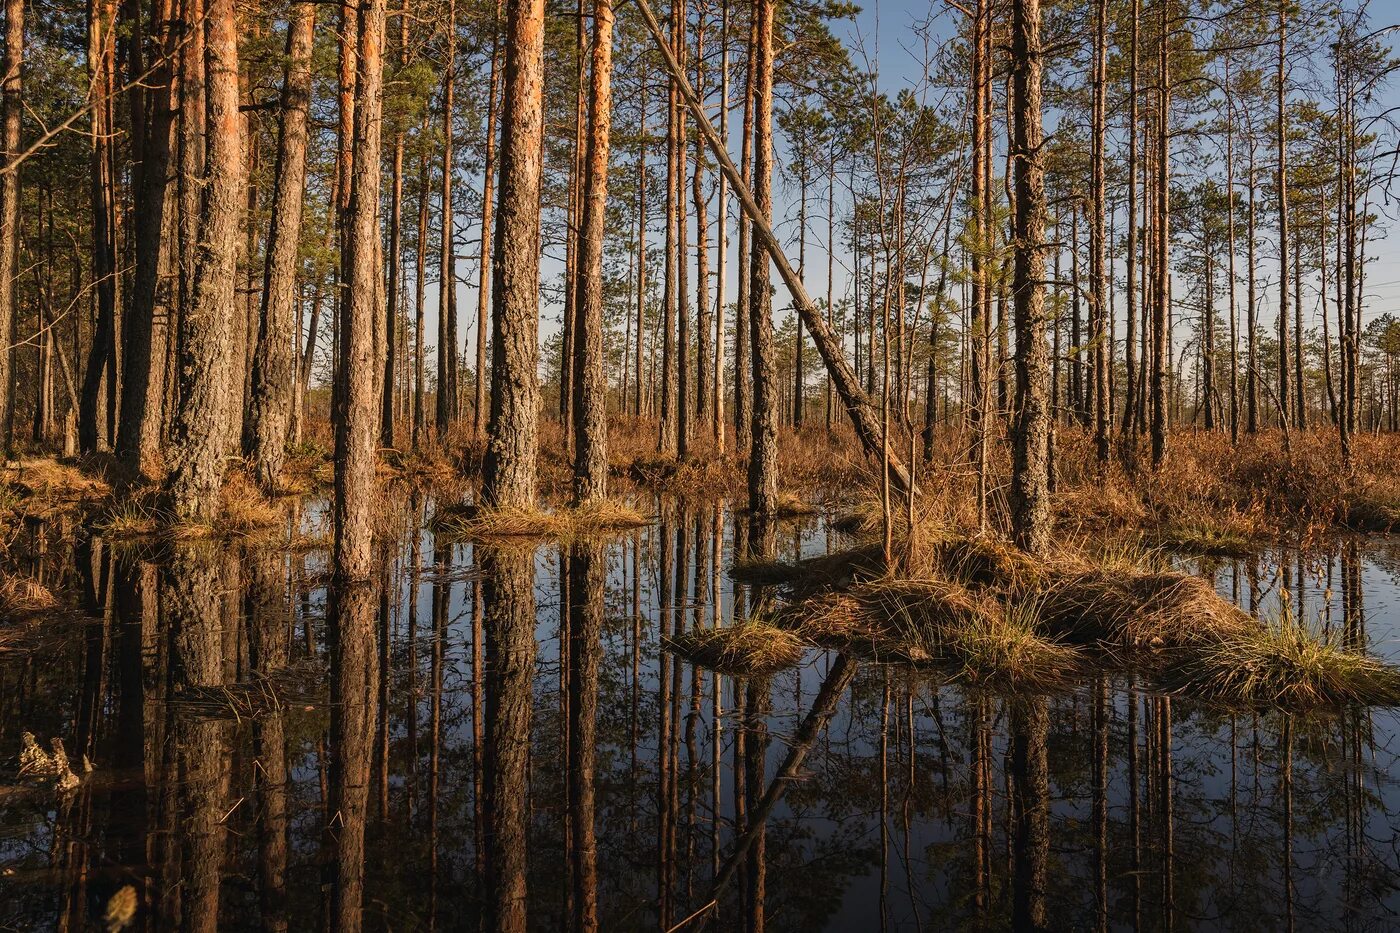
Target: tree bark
{"points": [[763, 458], [11, 110], [355, 405], [146, 326], [1030, 502], [483, 282], [590, 395], [266, 428], [209, 383], [447, 274], [508, 475]]}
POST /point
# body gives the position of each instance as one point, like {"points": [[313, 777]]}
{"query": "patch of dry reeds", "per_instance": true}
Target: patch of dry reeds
{"points": [[753, 647]]}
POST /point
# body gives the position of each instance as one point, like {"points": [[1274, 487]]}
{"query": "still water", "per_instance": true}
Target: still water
{"points": [[497, 738]]}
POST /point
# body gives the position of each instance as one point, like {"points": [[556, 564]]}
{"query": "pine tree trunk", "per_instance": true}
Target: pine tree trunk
{"points": [[266, 428], [1030, 504], [1281, 186], [508, 474], [146, 327], [11, 110], [1161, 346], [590, 396], [96, 416], [1098, 271], [209, 381], [483, 282], [763, 459], [743, 405], [446, 401], [355, 405]]}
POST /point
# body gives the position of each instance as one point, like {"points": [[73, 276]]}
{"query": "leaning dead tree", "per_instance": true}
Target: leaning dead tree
{"points": [[862, 412]]}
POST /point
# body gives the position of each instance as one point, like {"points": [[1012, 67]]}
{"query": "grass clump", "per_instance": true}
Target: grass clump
{"points": [[132, 518], [1289, 666], [592, 518], [1208, 539], [24, 595], [1139, 611], [474, 521], [1007, 649], [754, 647]]}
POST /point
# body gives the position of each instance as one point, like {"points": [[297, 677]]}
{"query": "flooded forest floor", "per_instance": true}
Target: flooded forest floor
{"points": [[1183, 718]]}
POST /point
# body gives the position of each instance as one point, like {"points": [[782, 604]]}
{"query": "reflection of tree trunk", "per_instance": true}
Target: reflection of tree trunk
{"points": [[268, 650], [509, 594], [129, 826], [749, 847], [192, 585], [587, 576], [351, 633], [1031, 802]]}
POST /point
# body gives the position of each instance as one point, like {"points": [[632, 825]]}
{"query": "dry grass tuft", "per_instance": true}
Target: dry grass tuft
{"points": [[754, 647], [1133, 611], [584, 521], [1286, 665], [607, 515], [23, 595], [243, 510], [937, 622], [472, 521], [135, 517]]}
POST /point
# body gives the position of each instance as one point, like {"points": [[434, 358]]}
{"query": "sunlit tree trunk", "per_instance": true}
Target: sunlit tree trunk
{"points": [[355, 404], [1161, 295], [590, 396], [508, 474], [1098, 271], [208, 377], [274, 364], [763, 459], [146, 326], [100, 374], [1030, 505], [446, 401], [483, 282], [11, 110], [1281, 187]]}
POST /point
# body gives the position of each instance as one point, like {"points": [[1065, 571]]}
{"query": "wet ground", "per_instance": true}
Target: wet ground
{"points": [[493, 736]]}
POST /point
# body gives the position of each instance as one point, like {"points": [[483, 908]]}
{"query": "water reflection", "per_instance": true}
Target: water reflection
{"points": [[491, 737]]}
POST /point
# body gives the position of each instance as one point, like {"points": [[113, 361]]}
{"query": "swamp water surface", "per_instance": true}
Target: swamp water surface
{"points": [[436, 765]]}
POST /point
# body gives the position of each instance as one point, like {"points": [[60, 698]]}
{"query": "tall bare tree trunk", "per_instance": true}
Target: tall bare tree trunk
{"points": [[1161, 241], [99, 390], [1132, 388], [763, 459], [11, 109], [721, 237], [447, 256], [202, 430], [146, 326], [1281, 186], [704, 320], [743, 404], [355, 404], [1030, 501], [590, 396], [483, 282], [274, 364], [508, 478], [1098, 271], [393, 311]]}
